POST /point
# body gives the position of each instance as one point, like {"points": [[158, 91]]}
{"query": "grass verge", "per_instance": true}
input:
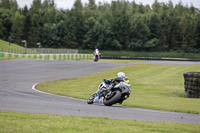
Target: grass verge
{"points": [[158, 87], [119, 61], [146, 54], [4, 58], [35, 123]]}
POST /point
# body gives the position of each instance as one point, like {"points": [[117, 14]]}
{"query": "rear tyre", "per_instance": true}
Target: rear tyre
{"points": [[96, 58], [114, 98]]}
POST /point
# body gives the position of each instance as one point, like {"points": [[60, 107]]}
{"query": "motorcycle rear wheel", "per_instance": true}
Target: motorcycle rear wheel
{"points": [[113, 99]]}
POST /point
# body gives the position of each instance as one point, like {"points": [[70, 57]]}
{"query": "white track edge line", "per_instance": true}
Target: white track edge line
{"points": [[33, 88]]}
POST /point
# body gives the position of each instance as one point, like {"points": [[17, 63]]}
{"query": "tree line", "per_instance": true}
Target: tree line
{"points": [[119, 25]]}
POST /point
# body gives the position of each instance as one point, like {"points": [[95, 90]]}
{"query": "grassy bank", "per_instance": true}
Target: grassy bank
{"points": [[146, 54], [153, 86], [35, 123], [4, 44]]}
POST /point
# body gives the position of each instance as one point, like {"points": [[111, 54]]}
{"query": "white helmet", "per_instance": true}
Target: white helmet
{"points": [[121, 75]]}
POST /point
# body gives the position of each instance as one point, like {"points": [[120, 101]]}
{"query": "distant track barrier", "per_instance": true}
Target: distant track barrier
{"points": [[48, 56], [39, 50]]}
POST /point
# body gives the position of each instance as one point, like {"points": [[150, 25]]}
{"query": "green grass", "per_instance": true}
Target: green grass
{"points": [[119, 61], [3, 58], [12, 122], [4, 44], [158, 87], [146, 54]]}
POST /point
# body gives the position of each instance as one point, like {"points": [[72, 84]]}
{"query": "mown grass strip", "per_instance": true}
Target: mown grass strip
{"points": [[119, 61], [124, 53], [35, 123], [158, 87]]}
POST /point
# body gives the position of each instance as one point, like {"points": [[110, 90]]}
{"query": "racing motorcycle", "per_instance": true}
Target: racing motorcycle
{"points": [[96, 56], [108, 97]]}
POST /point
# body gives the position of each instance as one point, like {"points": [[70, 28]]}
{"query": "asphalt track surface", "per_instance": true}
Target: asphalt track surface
{"points": [[16, 94]]}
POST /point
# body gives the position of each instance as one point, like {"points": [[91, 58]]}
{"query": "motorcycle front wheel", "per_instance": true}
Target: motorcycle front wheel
{"points": [[91, 98], [114, 98]]}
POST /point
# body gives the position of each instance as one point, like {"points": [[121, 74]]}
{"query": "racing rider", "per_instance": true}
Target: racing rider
{"points": [[112, 82]]}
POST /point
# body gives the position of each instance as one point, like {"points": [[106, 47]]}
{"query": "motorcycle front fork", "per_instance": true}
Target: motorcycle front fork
{"points": [[98, 99]]}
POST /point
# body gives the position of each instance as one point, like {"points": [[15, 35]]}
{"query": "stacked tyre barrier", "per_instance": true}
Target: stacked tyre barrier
{"points": [[192, 84]]}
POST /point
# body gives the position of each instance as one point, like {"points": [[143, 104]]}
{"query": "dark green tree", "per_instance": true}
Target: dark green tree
{"points": [[92, 4], [48, 11], [154, 25], [120, 25], [27, 22], [78, 22], [17, 28], [6, 22], [70, 38], [133, 7], [197, 32], [88, 38], [35, 6], [5, 4], [99, 35], [50, 36], [35, 31], [1, 28], [139, 33], [13, 5], [156, 7], [165, 30]]}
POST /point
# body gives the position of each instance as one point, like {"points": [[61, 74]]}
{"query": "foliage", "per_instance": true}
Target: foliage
{"points": [[17, 27], [120, 25]]}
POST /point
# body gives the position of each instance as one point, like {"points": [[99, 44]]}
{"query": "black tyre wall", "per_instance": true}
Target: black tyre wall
{"points": [[192, 84]]}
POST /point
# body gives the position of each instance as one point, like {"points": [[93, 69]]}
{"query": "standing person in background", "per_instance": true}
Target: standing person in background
{"points": [[9, 40]]}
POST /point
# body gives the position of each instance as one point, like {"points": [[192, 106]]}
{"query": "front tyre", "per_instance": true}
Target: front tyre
{"points": [[91, 99], [114, 98], [96, 58]]}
